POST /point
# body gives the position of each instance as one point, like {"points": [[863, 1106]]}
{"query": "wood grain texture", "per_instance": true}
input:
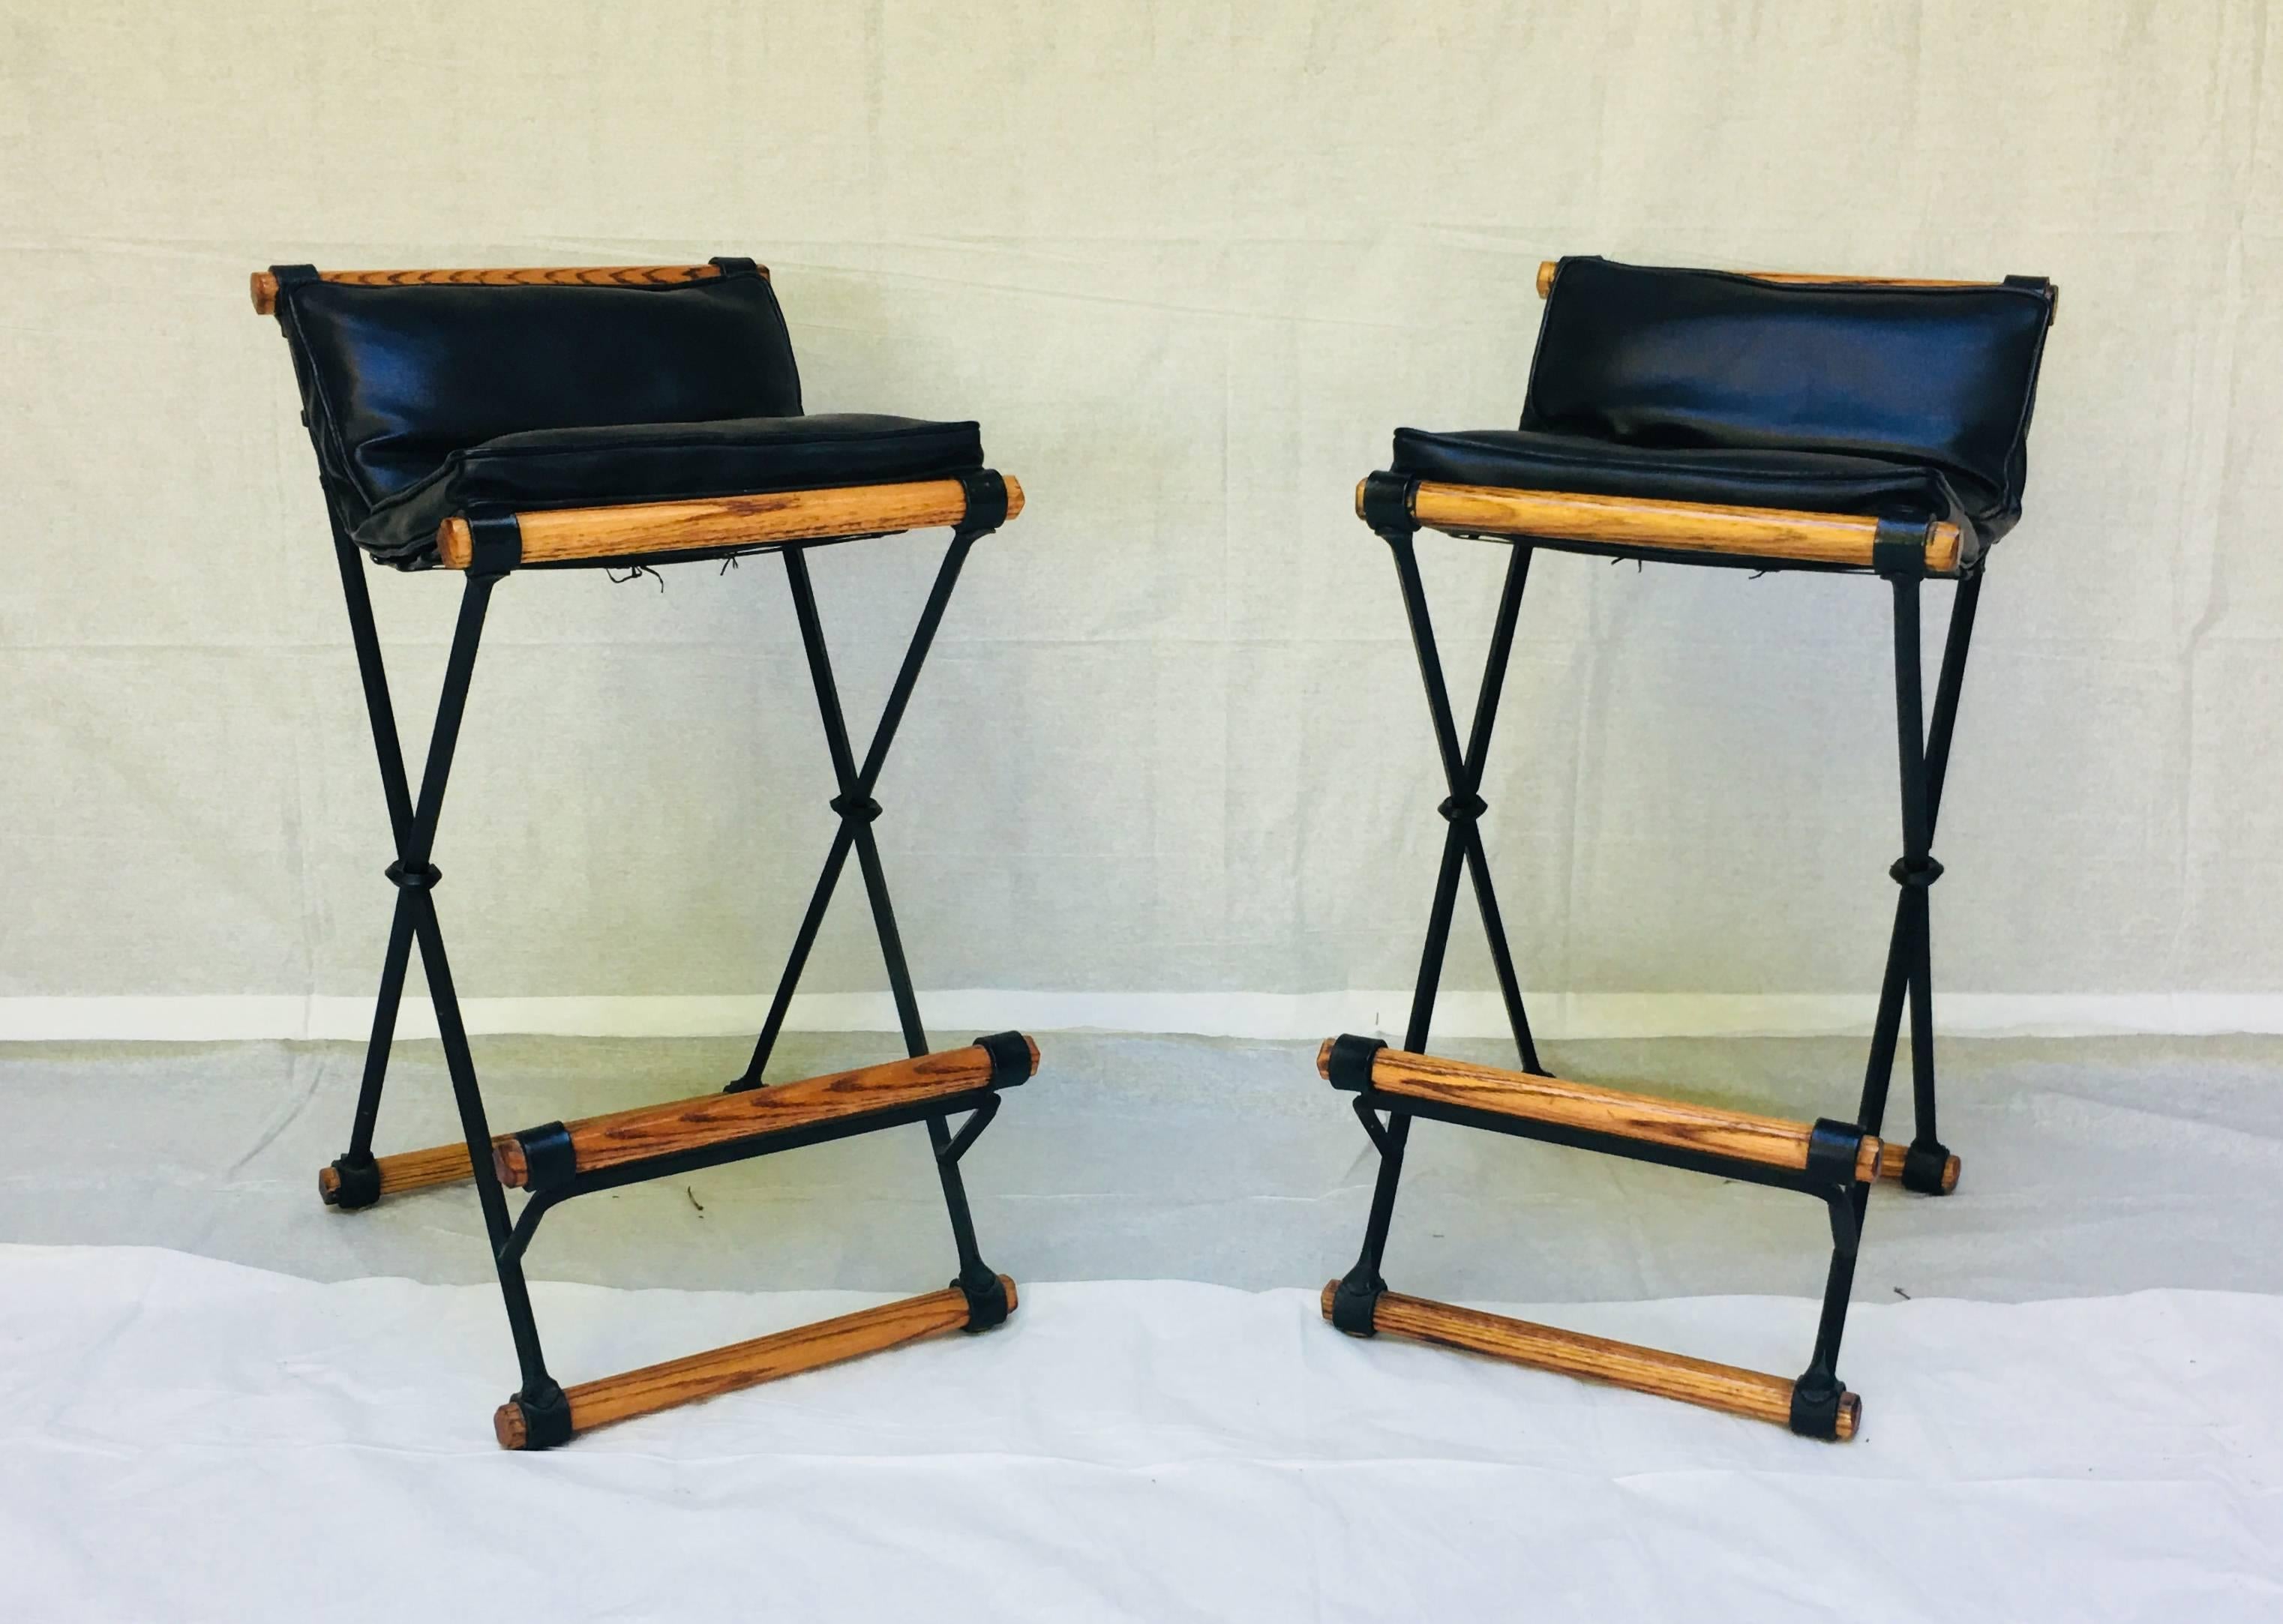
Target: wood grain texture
{"points": [[1547, 268], [264, 283], [1890, 1166], [744, 1364], [1753, 1395], [1672, 527], [642, 529], [1769, 1141], [411, 1170], [649, 1131]]}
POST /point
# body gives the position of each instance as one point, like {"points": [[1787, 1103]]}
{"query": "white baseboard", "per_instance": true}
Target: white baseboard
{"points": [[1233, 1014]]}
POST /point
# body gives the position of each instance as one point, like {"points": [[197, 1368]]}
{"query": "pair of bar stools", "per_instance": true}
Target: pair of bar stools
{"points": [[493, 420]]}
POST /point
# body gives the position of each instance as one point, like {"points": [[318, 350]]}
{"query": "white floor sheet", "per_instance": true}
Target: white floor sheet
{"points": [[182, 1438]]}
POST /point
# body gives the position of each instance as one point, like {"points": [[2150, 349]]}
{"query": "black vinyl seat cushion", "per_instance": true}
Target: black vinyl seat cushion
{"points": [[1894, 401], [619, 464], [424, 401], [1727, 476]]}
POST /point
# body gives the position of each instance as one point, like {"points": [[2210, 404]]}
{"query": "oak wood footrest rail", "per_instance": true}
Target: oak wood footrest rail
{"points": [[717, 1370], [562, 1160], [1834, 1161], [1769, 1140], [650, 1132], [544, 1158], [1754, 1394]]}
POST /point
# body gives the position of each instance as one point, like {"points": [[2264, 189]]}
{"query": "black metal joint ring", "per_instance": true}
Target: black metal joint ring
{"points": [[421, 879], [866, 810], [1010, 1058], [1348, 1066], [549, 1159], [1467, 810], [546, 1417], [1355, 1301], [1917, 876]]}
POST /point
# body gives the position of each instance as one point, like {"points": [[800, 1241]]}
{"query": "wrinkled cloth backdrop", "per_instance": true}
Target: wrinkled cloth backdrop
{"points": [[1189, 265]]}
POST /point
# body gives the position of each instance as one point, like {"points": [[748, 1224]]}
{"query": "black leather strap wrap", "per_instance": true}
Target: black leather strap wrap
{"points": [[546, 1417], [986, 502], [1832, 1148], [734, 265], [986, 1299], [359, 1183], [1386, 504], [495, 543], [1815, 1404], [1899, 546], [548, 1158], [1355, 1301], [1923, 1167], [1350, 1066], [294, 276], [1010, 1058]]}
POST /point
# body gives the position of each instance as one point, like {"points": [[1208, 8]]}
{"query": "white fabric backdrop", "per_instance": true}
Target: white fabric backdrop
{"points": [[1189, 265], [268, 1447]]}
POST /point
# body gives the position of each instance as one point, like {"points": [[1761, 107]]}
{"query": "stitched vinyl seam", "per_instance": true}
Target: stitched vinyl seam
{"points": [[456, 461], [1760, 479]]}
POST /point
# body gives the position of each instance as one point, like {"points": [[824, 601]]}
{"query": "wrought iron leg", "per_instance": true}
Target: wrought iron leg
{"points": [[1908, 977], [415, 878], [854, 803], [1462, 848], [857, 810], [1923, 755]]}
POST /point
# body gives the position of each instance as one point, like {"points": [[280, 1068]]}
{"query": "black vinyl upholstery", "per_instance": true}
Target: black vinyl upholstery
{"points": [[424, 401], [1709, 386]]}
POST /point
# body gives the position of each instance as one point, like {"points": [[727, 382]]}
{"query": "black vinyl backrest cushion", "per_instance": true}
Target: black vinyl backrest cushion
{"points": [[1650, 356], [395, 380]]}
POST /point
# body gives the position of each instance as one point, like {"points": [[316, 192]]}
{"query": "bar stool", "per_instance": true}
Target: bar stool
{"points": [[493, 422], [1763, 421]]}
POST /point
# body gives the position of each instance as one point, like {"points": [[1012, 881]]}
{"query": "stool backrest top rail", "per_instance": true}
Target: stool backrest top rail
{"points": [[264, 283]]}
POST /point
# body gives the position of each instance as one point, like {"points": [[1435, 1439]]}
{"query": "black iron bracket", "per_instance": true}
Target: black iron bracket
{"points": [[495, 543], [987, 502], [359, 1183], [1385, 505], [1898, 548], [546, 1415]]}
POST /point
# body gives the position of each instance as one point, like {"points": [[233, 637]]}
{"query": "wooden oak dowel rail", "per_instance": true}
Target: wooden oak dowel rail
{"points": [[744, 1364], [264, 283], [1753, 1395], [1547, 268], [1769, 1141], [645, 528], [1840, 539], [650, 1132], [411, 1170]]}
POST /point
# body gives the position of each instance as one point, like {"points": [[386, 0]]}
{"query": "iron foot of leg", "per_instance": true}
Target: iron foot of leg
{"points": [[546, 1415], [1816, 1401], [356, 1184], [986, 1298], [1356, 1302], [1929, 1169]]}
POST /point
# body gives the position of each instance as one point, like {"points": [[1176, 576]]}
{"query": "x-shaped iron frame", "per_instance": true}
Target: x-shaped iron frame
{"points": [[356, 1179], [1898, 555]]}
